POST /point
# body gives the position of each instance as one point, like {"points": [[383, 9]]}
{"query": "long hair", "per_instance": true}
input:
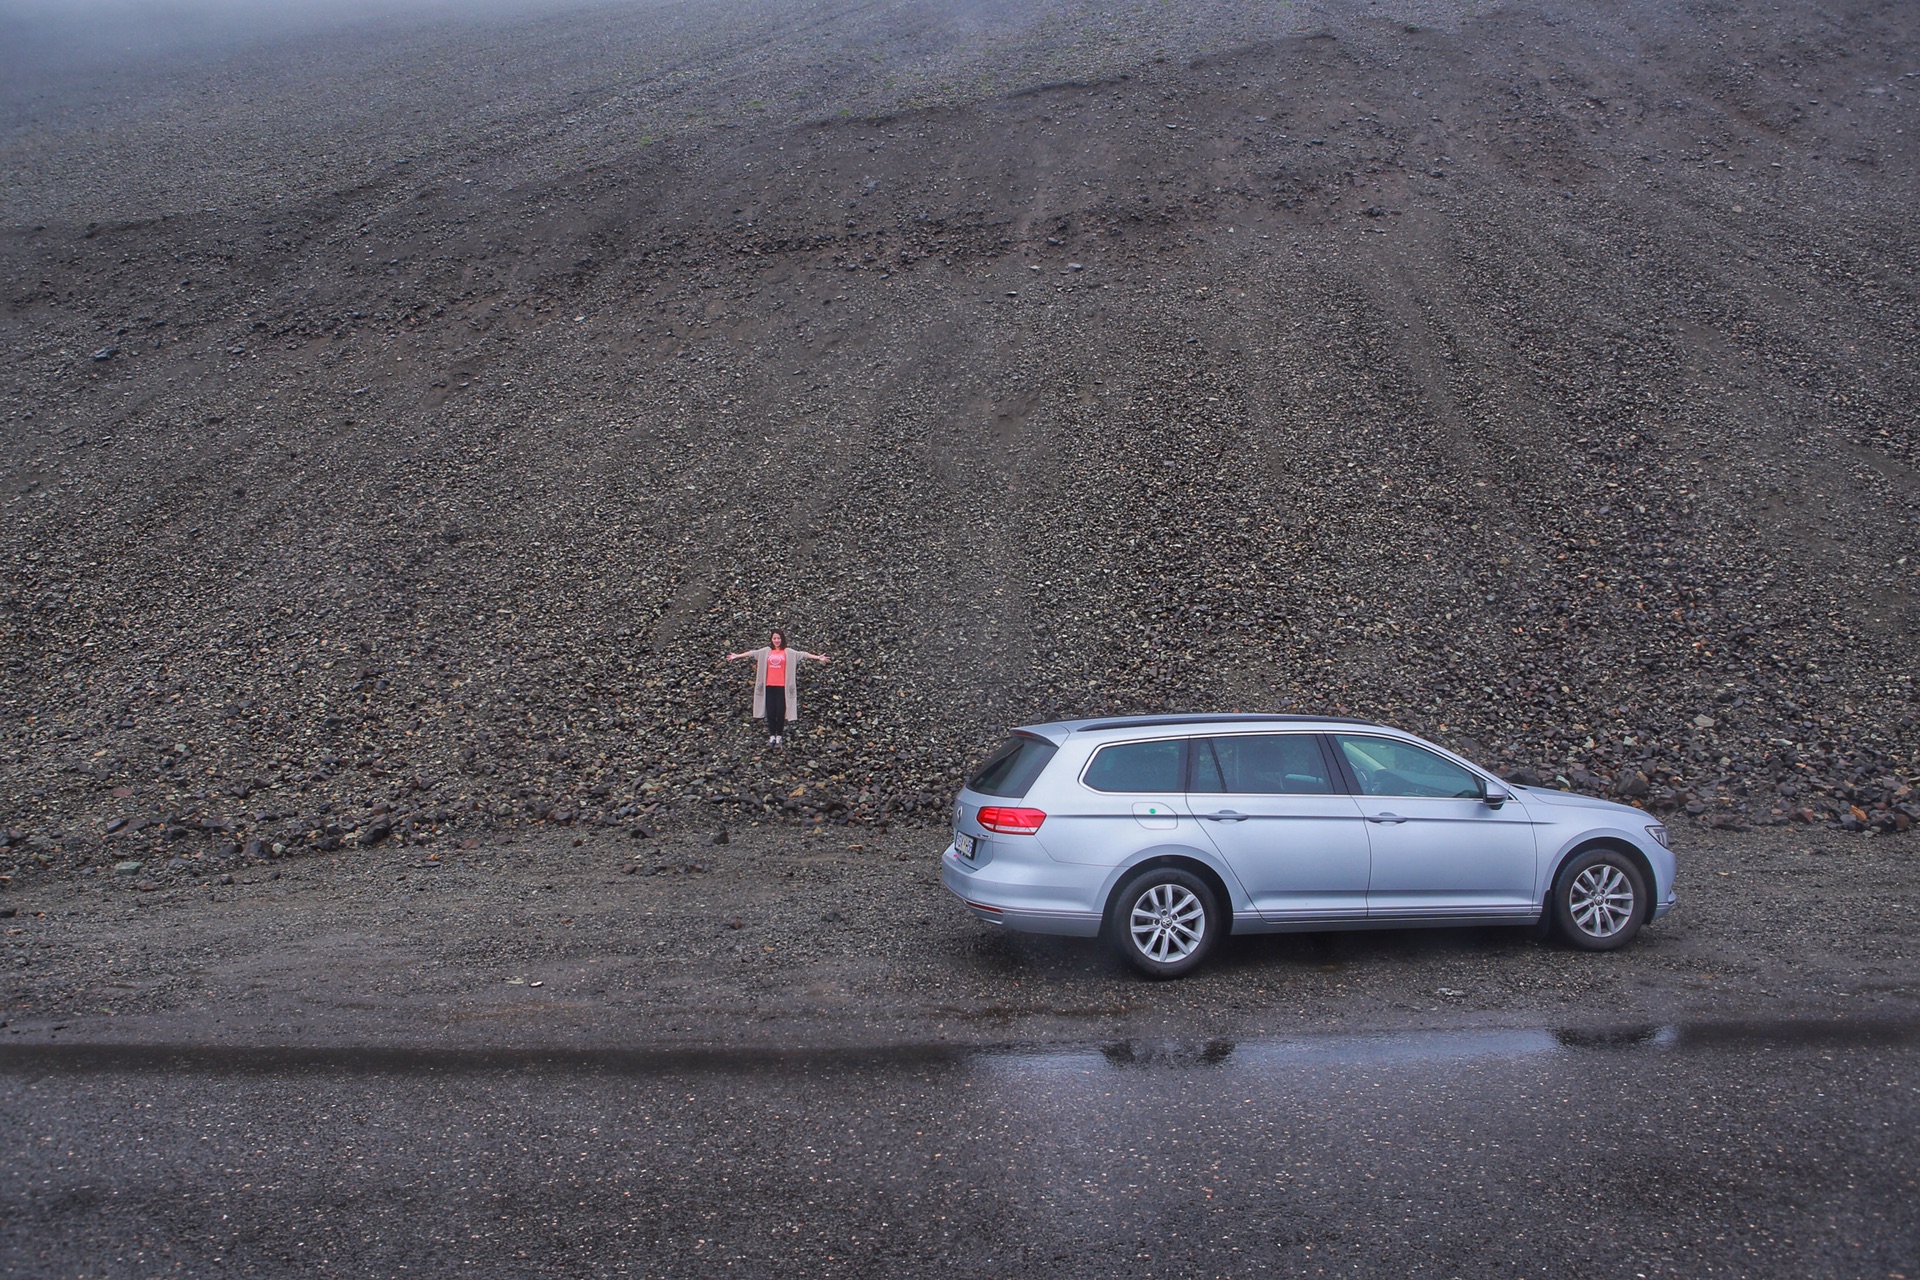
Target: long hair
{"points": [[781, 635]]}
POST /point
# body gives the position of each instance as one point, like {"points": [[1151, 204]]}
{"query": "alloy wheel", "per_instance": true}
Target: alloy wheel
{"points": [[1167, 923], [1600, 900]]}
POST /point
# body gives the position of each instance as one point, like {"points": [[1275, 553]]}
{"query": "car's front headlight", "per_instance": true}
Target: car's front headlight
{"points": [[1659, 833]]}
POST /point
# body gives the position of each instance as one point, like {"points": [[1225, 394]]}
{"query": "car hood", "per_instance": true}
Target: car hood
{"points": [[1574, 800]]}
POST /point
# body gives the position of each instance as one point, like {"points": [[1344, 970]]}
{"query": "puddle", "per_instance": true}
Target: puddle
{"points": [[1133, 1055], [1442, 1047], [1267, 1054]]}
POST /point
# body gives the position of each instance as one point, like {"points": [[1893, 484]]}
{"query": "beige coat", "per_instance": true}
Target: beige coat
{"points": [[794, 658]]}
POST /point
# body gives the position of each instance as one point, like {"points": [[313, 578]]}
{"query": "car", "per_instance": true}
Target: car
{"points": [[1166, 833]]}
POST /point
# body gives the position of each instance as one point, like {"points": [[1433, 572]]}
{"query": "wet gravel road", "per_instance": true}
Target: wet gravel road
{"points": [[789, 1055], [1703, 1149]]}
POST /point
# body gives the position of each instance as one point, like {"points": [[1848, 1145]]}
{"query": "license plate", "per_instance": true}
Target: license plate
{"points": [[963, 844]]}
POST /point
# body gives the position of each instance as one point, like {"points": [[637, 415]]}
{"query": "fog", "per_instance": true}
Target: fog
{"points": [[116, 108], [38, 37]]}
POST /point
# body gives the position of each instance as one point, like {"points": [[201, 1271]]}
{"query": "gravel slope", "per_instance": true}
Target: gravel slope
{"points": [[405, 420]]}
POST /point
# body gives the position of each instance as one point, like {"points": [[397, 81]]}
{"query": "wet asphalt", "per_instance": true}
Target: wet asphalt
{"points": [[1720, 1148]]}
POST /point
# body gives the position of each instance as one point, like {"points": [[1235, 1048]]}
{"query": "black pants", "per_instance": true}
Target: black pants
{"points": [[776, 710]]}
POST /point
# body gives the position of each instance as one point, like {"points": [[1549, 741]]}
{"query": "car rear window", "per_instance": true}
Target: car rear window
{"points": [[1009, 771], [1138, 766]]}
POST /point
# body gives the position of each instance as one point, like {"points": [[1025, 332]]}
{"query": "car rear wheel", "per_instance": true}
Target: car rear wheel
{"points": [[1164, 922], [1600, 900]]}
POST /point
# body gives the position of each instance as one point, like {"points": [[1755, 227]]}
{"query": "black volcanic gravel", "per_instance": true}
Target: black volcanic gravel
{"points": [[399, 436]]}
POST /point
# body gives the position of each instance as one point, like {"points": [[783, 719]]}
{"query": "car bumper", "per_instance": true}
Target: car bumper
{"points": [[1660, 910], [1023, 895]]}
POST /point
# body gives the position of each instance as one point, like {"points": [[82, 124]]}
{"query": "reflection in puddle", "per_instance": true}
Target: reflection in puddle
{"points": [[1128, 1054], [1268, 1054], [1617, 1037]]}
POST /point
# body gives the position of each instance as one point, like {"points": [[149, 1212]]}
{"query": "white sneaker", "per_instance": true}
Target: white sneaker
{"points": [[780, 740], [773, 741]]}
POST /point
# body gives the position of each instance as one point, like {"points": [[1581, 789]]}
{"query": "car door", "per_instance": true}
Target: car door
{"points": [[1130, 797], [1274, 806], [1439, 850]]}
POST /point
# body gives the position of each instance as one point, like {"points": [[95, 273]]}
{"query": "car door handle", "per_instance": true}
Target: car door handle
{"points": [[1385, 817], [1226, 815]]}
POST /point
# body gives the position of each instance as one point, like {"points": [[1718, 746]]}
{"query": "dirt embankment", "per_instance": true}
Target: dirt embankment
{"points": [[399, 435]]}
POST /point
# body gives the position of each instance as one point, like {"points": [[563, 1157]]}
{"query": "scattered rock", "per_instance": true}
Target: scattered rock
{"points": [[1156, 508]]}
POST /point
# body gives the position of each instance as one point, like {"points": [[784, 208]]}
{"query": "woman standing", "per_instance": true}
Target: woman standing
{"points": [[776, 692]]}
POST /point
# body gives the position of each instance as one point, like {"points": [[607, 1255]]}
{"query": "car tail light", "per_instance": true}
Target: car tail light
{"points": [[1011, 822]]}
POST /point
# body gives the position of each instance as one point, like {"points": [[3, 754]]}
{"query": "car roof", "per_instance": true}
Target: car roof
{"points": [[1056, 731]]}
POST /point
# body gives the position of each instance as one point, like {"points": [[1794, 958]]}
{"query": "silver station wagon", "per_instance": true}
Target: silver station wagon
{"points": [[1166, 833]]}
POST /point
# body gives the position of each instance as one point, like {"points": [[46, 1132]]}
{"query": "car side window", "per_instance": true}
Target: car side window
{"points": [[1138, 766], [1285, 764], [1206, 766], [1389, 767]]}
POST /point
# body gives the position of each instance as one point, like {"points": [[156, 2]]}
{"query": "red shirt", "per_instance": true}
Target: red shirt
{"points": [[776, 668]]}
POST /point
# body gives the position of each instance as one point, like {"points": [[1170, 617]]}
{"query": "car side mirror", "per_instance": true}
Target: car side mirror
{"points": [[1495, 794]]}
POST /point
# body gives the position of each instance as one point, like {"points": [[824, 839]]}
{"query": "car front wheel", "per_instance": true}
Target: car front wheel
{"points": [[1164, 922], [1600, 900]]}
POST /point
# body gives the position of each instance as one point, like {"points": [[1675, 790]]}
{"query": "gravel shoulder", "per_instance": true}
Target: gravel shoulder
{"points": [[782, 940]]}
